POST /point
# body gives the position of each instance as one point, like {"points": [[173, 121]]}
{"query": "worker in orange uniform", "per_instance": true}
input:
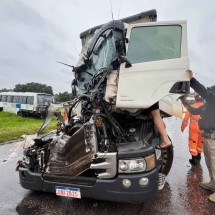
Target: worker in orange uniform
{"points": [[195, 138]]}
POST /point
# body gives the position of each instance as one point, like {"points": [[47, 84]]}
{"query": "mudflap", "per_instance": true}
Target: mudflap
{"points": [[168, 155]]}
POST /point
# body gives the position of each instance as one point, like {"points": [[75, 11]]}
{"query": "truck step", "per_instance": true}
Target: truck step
{"points": [[161, 181]]}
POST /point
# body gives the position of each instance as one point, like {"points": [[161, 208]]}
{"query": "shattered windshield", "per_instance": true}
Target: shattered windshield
{"points": [[103, 55]]}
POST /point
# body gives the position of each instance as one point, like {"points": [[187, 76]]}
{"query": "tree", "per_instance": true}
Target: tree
{"points": [[5, 90], [63, 97], [33, 87]]}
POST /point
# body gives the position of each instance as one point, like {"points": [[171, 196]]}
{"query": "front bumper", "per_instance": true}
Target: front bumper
{"points": [[101, 189]]}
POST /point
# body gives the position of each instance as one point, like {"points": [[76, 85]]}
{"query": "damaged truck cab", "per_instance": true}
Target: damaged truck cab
{"points": [[109, 149]]}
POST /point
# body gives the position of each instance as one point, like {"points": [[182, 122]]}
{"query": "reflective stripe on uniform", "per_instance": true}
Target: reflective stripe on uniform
{"points": [[199, 150], [193, 120], [193, 150]]}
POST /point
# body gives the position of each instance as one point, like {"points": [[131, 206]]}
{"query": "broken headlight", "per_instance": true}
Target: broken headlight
{"points": [[136, 164]]}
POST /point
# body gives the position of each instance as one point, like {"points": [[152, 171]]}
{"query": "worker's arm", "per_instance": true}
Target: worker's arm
{"points": [[185, 121], [200, 88], [192, 110]]}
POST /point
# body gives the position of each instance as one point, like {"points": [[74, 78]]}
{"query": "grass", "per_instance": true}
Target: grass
{"points": [[12, 127]]}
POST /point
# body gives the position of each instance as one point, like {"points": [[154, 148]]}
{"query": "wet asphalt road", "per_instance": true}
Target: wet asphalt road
{"points": [[181, 194]]}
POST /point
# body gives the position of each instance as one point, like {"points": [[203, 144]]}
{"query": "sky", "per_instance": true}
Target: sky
{"points": [[34, 34]]}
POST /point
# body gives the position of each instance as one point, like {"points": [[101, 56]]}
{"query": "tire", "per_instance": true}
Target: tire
{"points": [[168, 155], [19, 113], [1, 109]]}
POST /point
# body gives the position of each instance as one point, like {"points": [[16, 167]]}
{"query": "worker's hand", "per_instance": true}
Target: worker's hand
{"points": [[190, 73]]}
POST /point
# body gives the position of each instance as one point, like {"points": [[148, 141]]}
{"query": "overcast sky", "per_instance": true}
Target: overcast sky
{"points": [[34, 34]]}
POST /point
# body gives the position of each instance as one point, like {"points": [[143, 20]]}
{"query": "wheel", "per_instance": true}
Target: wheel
{"points": [[19, 113]]}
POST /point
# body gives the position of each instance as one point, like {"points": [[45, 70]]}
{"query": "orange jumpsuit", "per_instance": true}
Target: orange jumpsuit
{"points": [[195, 139]]}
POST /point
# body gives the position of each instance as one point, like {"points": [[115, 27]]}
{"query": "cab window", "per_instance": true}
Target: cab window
{"points": [[10, 99], [4, 98], [22, 99], [153, 43], [30, 100], [15, 99]]}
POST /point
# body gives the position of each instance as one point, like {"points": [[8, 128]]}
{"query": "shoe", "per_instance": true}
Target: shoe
{"points": [[212, 197], [207, 185], [193, 160], [198, 157]]}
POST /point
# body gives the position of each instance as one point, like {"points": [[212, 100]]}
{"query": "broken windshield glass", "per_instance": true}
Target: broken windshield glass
{"points": [[104, 53]]}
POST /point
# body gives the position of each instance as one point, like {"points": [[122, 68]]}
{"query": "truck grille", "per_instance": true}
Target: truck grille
{"points": [[108, 165]]}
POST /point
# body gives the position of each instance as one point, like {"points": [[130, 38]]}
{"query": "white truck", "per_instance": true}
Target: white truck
{"points": [[108, 150]]}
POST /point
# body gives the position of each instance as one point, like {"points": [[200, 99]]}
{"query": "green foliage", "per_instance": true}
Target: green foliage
{"points": [[33, 87], [5, 90], [13, 127], [63, 97]]}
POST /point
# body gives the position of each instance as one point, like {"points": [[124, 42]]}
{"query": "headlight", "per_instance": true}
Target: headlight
{"points": [[150, 162], [133, 165], [137, 165]]}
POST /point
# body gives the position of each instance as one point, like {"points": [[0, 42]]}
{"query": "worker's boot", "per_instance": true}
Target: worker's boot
{"points": [[198, 157], [212, 197], [194, 160], [208, 185]]}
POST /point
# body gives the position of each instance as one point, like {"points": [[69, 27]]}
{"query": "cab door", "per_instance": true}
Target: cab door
{"points": [[158, 58]]}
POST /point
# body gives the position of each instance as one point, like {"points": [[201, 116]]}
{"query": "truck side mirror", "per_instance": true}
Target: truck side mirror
{"points": [[128, 64]]}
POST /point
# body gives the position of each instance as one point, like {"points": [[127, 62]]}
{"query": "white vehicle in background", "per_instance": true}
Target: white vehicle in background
{"points": [[25, 103]]}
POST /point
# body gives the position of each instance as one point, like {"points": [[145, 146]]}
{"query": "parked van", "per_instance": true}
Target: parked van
{"points": [[25, 104]]}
